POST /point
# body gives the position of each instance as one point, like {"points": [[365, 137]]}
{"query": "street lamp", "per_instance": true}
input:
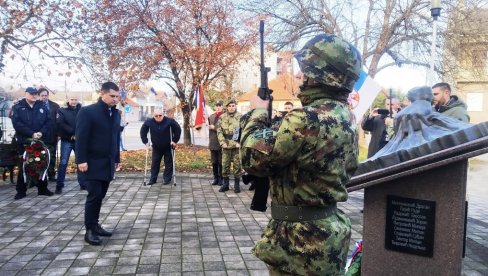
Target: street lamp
{"points": [[435, 12]]}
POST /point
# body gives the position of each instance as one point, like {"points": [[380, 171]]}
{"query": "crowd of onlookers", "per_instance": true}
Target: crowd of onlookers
{"points": [[379, 122]]}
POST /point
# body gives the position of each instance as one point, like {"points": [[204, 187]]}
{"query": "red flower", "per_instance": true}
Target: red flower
{"points": [[38, 161]]}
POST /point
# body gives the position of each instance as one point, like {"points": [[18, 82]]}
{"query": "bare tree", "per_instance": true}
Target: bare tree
{"points": [[46, 28], [387, 32], [466, 44]]}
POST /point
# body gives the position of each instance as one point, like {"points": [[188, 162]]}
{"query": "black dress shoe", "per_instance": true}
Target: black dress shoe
{"points": [[102, 232], [19, 196], [46, 193], [82, 188], [151, 182], [92, 238], [167, 182]]}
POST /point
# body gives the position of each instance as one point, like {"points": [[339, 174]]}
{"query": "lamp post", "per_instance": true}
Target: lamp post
{"points": [[435, 12]]}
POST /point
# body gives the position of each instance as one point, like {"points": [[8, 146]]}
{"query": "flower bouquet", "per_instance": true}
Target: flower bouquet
{"points": [[35, 162]]}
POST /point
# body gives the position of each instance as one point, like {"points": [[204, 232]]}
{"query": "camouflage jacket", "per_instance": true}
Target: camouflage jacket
{"points": [[309, 159], [227, 126]]}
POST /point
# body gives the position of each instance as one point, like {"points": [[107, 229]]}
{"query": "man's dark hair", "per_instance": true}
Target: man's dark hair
{"points": [[443, 86], [42, 90], [289, 103], [109, 85]]}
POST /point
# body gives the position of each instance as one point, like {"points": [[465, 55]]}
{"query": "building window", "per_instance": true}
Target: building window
{"points": [[474, 100]]}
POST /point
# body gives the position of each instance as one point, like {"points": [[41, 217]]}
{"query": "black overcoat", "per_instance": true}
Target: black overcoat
{"points": [[97, 140]]}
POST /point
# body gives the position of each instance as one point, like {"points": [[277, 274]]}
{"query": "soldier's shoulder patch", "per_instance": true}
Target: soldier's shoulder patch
{"points": [[263, 133]]}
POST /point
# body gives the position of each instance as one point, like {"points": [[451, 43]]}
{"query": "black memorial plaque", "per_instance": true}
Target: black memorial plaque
{"points": [[410, 225]]}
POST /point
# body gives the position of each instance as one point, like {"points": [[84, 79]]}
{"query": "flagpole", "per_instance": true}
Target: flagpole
{"points": [[192, 138]]}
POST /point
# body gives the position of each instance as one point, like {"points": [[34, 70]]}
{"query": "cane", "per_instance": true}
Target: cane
{"points": [[173, 154], [145, 166]]}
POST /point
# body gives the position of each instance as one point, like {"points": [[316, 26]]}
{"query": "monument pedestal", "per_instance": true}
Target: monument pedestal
{"points": [[414, 225]]}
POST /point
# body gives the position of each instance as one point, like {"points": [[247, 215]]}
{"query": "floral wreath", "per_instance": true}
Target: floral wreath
{"points": [[35, 161]]}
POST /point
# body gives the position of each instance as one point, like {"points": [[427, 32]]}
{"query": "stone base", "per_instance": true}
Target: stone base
{"points": [[446, 186]]}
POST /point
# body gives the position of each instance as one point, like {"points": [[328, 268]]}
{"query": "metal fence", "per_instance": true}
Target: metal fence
{"points": [[5, 122]]}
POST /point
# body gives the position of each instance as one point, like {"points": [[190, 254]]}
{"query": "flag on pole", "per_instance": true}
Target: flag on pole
{"points": [[365, 91], [199, 103], [153, 91]]}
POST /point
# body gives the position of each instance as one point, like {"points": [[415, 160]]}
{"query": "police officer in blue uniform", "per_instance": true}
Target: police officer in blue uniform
{"points": [[30, 120]]}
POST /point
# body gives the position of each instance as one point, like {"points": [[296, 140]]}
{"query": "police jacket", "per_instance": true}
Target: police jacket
{"points": [[97, 140], [66, 122], [160, 132], [28, 120]]}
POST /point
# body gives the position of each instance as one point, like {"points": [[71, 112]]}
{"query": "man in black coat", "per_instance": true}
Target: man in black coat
{"points": [[30, 120], [66, 125], [162, 143], [378, 124], [97, 153], [52, 137]]}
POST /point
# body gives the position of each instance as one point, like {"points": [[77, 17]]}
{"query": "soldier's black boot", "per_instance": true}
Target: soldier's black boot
{"points": [[237, 188], [221, 181], [225, 186], [215, 168]]}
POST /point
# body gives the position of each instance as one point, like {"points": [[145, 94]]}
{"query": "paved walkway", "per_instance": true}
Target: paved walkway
{"points": [[188, 229]]}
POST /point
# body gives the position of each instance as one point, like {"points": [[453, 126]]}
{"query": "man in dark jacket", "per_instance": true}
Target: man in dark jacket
{"points": [[66, 124], [165, 133], [448, 104], [97, 152], [30, 120], [52, 137], [376, 124], [213, 144]]}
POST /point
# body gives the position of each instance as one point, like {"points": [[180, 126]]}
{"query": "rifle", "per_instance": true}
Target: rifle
{"points": [[260, 197]]}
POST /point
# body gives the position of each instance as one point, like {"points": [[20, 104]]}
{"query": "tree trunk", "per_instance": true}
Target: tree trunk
{"points": [[186, 123]]}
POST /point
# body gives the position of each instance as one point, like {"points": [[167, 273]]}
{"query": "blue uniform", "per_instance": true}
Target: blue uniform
{"points": [[28, 120]]}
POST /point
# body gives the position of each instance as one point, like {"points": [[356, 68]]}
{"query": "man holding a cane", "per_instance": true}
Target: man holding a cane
{"points": [[165, 133]]}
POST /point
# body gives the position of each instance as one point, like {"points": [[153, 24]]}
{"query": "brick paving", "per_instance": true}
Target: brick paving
{"points": [[188, 229]]}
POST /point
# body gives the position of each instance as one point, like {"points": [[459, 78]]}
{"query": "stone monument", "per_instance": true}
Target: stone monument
{"points": [[415, 192]]}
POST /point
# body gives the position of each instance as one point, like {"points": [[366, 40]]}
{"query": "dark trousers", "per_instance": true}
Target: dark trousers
{"points": [[51, 172], [157, 155], [66, 148], [97, 190], [216, 159], [21, 186]]}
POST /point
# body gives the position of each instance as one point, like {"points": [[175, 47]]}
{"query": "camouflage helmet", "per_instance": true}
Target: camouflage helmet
{"points": [[330, 60], [231, 101]]}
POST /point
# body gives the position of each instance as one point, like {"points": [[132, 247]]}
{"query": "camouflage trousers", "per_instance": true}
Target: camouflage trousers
{"points": [[231, 156], [310, 248]]}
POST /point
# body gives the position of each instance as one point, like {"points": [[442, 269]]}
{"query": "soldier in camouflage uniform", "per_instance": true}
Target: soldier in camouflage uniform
{"points": [[228, 132], [308, 159]]}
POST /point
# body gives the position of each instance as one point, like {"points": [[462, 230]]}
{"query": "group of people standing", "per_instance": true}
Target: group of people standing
{"points": [[380, 125], [35, 116], [92, 132], [224, 127]]}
